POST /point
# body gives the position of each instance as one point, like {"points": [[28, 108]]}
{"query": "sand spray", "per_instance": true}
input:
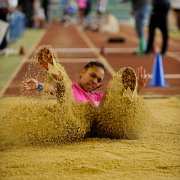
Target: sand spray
{"points": [[124, 114], [44, 120]]}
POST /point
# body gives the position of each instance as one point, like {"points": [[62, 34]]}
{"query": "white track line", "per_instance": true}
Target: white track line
{"points": [[73, 50], [170, 76], [25, 58], [173, 55], [91, 50], [95, 51], [73, 60]]}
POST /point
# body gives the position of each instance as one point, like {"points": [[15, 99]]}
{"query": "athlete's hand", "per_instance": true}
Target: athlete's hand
{"points": [[30, 84], [142, 78]]}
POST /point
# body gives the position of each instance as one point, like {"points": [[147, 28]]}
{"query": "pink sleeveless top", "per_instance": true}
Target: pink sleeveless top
{"points": [[83, 97]]}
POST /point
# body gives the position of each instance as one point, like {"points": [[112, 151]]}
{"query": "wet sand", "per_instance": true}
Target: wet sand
{"points": [[155, 156]]}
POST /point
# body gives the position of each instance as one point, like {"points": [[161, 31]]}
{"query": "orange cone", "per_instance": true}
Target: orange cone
{"points": [[102, 51], [21, 51]]}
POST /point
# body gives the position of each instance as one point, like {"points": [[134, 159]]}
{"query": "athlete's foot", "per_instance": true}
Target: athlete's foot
{"points": [[46, 59], [129, 78]]}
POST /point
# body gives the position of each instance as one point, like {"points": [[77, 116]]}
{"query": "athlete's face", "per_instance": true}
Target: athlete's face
{"points": [[91, 78]]}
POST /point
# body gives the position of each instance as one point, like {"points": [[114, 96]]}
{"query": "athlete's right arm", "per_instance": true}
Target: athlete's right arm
{"points": [[33, 84], [30, 84]]}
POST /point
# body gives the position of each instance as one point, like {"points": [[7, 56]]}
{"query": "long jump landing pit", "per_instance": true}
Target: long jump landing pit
{"points": [[154, 156]]}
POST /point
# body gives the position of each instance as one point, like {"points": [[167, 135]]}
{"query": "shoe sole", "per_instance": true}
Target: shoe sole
{"points": [[45, 56], [129, 79]]}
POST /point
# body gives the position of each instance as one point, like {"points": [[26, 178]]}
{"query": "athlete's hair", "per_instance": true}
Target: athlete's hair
{"points": [[95, 63]]}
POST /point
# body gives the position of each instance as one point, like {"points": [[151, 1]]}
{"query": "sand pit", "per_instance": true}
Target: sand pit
{"points": [[155, 156]]}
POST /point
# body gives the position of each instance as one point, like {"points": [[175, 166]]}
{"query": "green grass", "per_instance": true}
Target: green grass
{"points": [[8, 64]]}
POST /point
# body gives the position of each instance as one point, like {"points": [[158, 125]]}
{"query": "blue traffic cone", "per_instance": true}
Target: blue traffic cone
{"points": [[158, 77]]}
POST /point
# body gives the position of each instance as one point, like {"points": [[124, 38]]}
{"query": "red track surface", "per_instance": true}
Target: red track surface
{"points": [[68, 37]]}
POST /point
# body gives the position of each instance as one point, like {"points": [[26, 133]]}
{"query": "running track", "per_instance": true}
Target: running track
{"points": [[75, 47]]}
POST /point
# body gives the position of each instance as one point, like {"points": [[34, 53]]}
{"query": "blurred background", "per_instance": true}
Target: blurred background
{"points": [[24, 24], [22, 14]]}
